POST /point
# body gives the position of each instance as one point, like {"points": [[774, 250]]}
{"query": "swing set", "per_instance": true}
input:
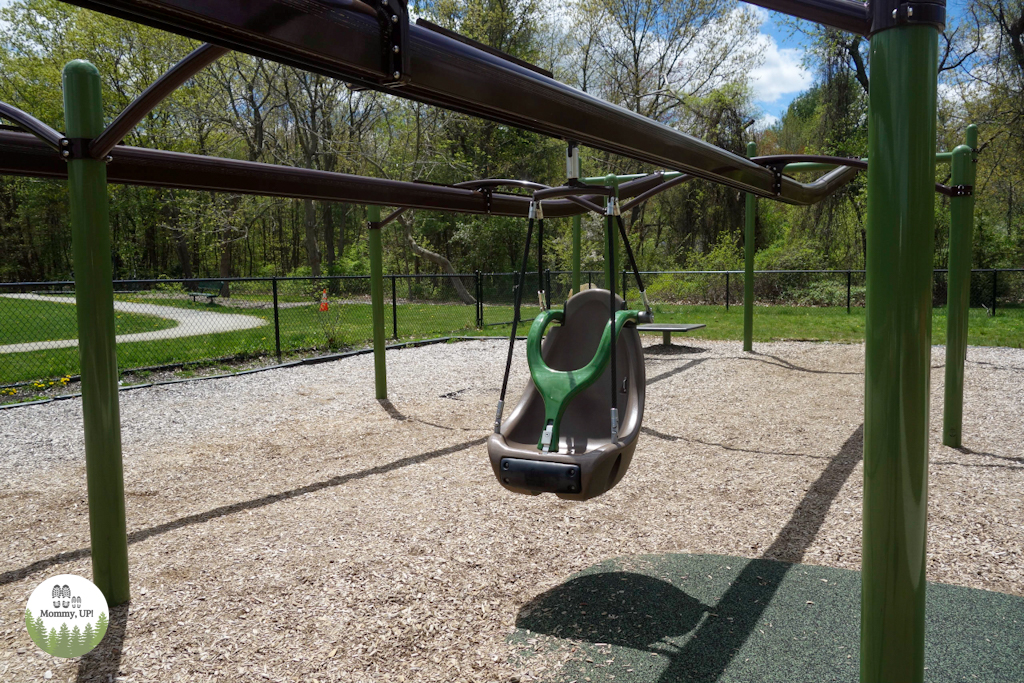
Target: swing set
{"points": [[574, 430]]}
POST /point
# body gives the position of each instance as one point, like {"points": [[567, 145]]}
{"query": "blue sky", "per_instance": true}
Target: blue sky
{"points": [[782, 77]]}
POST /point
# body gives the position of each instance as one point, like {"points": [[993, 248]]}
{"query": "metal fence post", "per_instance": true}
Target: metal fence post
{"points": [[94, 294], [901, 245], [995, 288], [394, 308], [277, 321], [547, 288], [624, 289], [849, 287], [726, 290]]}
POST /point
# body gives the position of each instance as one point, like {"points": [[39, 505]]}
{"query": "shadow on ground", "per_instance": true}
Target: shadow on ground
{"points": [[103, 664], [661, 350], [708, 618]]}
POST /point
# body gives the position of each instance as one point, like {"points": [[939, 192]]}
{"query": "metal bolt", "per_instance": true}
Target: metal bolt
{"points": [[395, 49], [65, 142], [894, 14], [572, 489], [505, 480], [504, 465], [394, 18], [571, 473], [396, 74], [65, 153], [910, 11]]}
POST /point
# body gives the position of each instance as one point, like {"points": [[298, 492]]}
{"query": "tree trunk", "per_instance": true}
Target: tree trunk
{"points": [[181, 247], [341, 230], [328, 210], [225, 267], [445, 264], [312, 250]]}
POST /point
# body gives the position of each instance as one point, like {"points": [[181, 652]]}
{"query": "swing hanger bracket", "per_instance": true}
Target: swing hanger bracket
{"points": [[536, 210], [393, 18]]}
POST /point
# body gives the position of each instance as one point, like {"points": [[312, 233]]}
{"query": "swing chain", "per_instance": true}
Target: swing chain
{"points": [[497, 417]]}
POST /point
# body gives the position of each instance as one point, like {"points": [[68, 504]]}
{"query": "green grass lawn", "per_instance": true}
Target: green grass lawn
{"points": [[302, 327], [27, 320], [305, 328], [772, 323]]}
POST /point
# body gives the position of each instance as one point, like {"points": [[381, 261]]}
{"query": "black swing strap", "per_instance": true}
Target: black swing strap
{"points": [[612, 210], [632, 262], [534, 211]]}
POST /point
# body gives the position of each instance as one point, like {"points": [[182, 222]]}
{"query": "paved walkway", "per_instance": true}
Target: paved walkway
{"points": [[191, 323]]}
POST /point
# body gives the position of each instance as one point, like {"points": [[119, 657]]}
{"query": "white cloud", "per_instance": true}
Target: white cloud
{"points": [[765, 122], [762, 17], [780, 74]]}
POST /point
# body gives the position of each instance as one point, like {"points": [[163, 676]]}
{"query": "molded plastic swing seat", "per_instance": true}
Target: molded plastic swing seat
{"points": [[587, 463]]}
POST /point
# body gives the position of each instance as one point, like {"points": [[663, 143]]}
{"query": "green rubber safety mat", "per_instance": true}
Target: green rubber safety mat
{"points": [[703, 618]]}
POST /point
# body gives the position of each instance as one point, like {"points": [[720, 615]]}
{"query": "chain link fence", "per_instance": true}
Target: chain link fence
{"points": [[176, 326]]}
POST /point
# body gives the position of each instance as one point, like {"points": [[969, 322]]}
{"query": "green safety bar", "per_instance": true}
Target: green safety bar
{"points": [[559, 387]]}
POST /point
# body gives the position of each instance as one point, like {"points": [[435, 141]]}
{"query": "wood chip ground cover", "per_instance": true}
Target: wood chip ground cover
{"points": [[286, 526]]}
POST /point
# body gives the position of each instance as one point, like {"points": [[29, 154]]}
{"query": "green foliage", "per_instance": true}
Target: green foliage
{"points": [[101, 628], [64, 644], [684, 64], [36, 630]]}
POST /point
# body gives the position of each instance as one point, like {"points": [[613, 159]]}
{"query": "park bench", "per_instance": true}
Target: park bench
{"points": [[667, 329], [209, 289]]}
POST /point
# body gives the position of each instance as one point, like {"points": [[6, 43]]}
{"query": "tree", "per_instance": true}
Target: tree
{"points": [[37, 635], [63, 648], [77, 644], [101, 628]]}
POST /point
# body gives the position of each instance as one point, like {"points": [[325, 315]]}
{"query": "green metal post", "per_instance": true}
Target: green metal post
{"points": [[380, 369], [900, 237], [94, 293], [958, 299], [748, 272]]}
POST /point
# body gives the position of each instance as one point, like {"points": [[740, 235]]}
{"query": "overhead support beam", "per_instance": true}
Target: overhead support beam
{"points": [[24, 154], [52, 138], [341, 40], [845, 15], [141, 106], [818, 162]]}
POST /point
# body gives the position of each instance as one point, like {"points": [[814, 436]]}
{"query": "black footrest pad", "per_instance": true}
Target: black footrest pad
{"points": [[540, 476]]}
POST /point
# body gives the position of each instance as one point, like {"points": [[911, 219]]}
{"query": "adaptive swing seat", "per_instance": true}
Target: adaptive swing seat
{"points": [[558, 439]]}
